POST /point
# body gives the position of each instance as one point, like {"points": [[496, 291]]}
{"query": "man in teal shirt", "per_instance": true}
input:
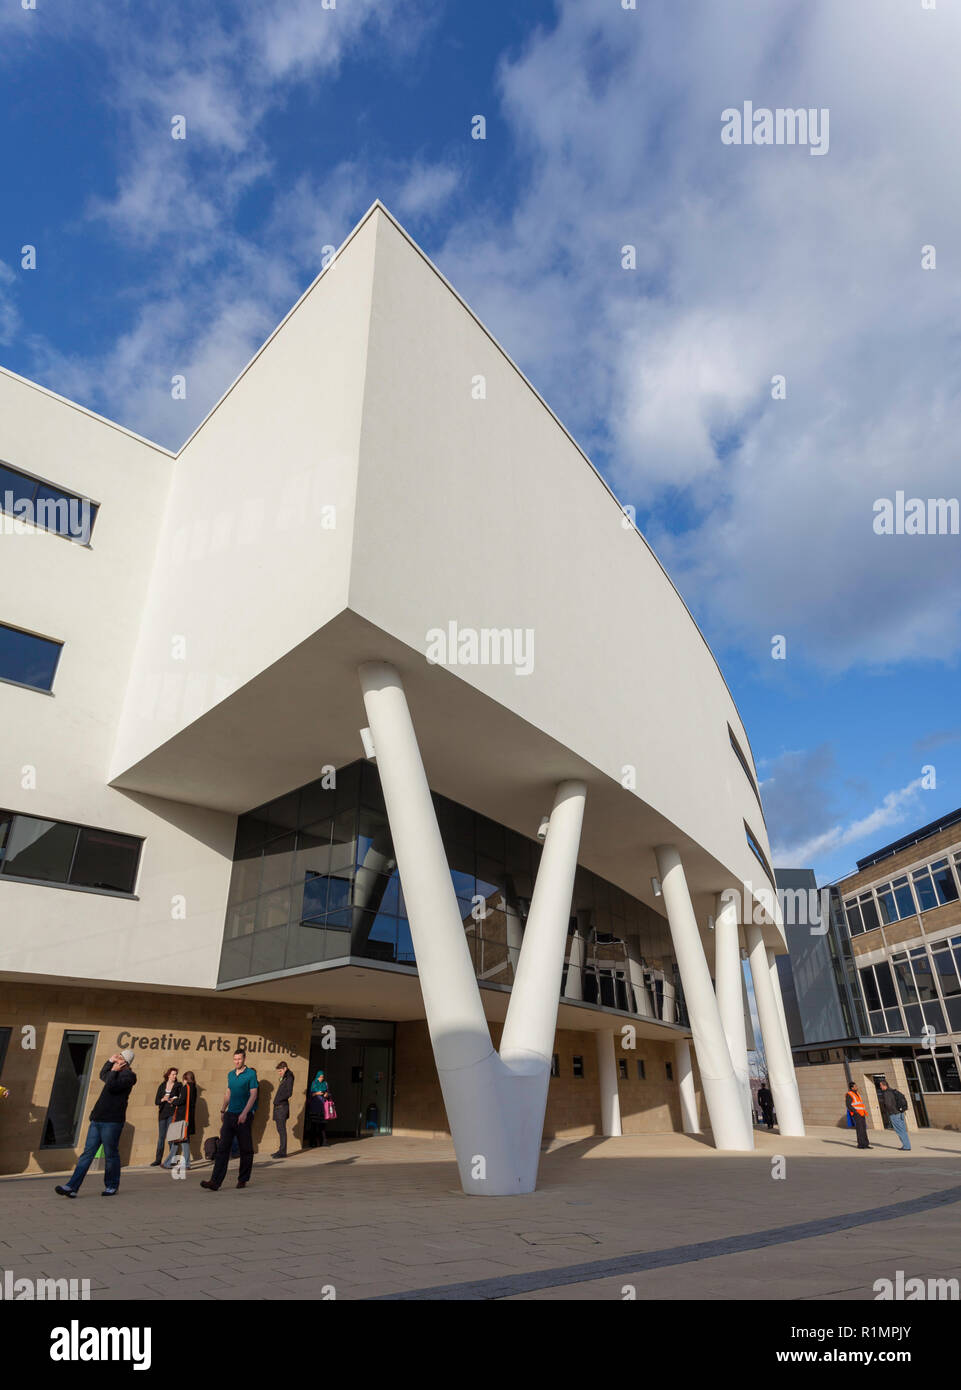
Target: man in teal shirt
{"points": [[240, 1098]]}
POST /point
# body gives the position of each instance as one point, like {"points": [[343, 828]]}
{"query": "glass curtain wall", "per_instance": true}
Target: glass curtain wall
{"points": [[315, 880]]}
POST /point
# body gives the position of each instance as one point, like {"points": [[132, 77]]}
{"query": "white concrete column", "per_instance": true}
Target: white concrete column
{"points": [[685, 1085], [780, 1066], [515, 940], [607, 1072], [729, 984], [778, 997], [668, 1000], [495, 1103], [532, 1012], [575, 968], [721, 1092], [635, 969]]}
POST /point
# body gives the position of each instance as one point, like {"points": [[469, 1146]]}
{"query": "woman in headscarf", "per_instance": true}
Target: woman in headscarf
{"points": [[316, 1112]]}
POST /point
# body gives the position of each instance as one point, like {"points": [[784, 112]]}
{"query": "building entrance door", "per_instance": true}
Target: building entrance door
{"points": [[916, 1094], [360, 1074]]}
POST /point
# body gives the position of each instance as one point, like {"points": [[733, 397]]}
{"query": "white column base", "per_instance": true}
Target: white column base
{"points": [[780, 1064], [721, 1092], [685, 1085], [607, 1074]]}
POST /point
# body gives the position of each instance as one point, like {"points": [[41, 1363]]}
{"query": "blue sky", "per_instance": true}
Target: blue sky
{"points": [[157, 256]]}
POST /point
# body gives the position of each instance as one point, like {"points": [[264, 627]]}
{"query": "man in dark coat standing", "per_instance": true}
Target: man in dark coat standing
{"points": [[107, 1119], [766, 1101], [285, 1086], [894, 1104]]}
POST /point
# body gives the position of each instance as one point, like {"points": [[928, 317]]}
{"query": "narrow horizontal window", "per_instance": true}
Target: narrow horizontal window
{"points": [[758, 852], [26, 659], [744, 764], [59, 852], [32, 502]]}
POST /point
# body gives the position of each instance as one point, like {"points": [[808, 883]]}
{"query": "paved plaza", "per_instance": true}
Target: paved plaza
{"points": [[665, 1215]]}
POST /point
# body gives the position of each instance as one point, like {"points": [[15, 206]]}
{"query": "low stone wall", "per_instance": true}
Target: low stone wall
{"points": [[648, 1106], [822, 1090], [191, 1032], [944, 1111]]}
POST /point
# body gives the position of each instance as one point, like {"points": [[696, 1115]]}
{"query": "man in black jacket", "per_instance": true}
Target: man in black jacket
{"points": [[895, 1106], [282, 1107], [766, 1101], [107, 1119]]}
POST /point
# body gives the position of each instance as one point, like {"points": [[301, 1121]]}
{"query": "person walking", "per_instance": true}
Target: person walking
{"points": [[895, 1104], [184, 1112], [282, 1107], [107, 1119], [859, 1114], [317, 1112], [166, 1100], [240, 1098], [766, 1101]]}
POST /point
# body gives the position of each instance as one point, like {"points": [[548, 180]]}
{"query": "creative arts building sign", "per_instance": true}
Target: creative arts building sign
{"points": [[206, 1042]]}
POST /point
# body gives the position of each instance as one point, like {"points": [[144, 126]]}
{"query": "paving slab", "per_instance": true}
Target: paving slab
{"points": [[385, 1218]]}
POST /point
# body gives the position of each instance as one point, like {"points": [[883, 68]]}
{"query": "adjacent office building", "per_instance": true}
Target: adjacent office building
{"points": [[880, 986], [366, 732]]}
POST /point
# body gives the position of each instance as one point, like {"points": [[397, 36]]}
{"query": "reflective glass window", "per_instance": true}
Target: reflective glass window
{"points": [[889, 996], [868, 911], [902, 894], [105, 860], [944, 884], [26, 659], [870, 989], [41, 849], [887, 907], [924, 888], [947, 973]]}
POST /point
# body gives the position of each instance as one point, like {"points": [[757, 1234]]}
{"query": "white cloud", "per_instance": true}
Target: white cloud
{"points": [[892, 810], [9, 317], [425, 190], [751, 262]]}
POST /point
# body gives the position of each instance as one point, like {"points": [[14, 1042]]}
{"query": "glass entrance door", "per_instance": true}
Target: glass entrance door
{"points": [[360, 1074], [375, 1089], [917, 1095]]}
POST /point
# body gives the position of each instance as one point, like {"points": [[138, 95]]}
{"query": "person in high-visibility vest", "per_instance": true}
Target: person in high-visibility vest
{"points": [[859, 1114]]}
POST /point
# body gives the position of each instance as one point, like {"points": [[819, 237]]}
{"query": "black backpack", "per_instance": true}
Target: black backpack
{"points": [[900, 1101]]}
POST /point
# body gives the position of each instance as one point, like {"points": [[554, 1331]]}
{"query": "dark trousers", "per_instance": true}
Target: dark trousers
{"points": [[230, 1130], [103, 1132], [281, 1116], [861, 1127], [767, 1112], [162, 1126]]}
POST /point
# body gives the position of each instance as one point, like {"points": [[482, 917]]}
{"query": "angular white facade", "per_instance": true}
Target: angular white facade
{"points": [[380, 475]]}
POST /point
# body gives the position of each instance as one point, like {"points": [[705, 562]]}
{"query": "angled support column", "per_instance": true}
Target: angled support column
{"points": [[778, 999], [780, 1065], [495, 1104], [685, 1086], [729, 984], [607, 1074], [721, 1092]]}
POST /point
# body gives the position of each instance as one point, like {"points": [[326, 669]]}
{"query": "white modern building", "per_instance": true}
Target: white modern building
{"points": [[373, 671]]}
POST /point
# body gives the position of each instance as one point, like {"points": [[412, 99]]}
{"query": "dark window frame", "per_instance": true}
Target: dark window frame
{"points": [[82, 1094], [38, 637], [67, 492], [79, 827], [754, 845], [739, 753]]}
